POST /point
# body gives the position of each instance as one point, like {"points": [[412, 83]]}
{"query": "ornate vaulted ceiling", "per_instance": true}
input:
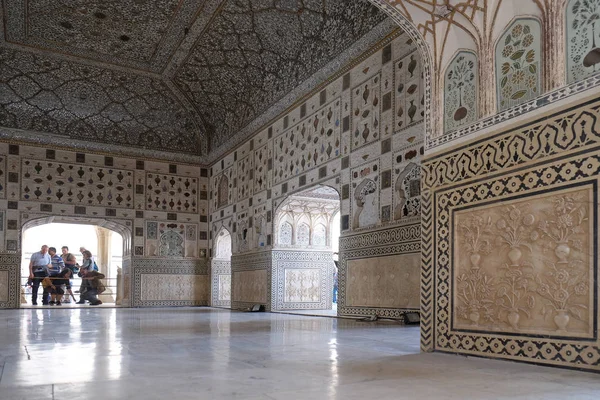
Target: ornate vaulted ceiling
{"points": [[177, 75]]}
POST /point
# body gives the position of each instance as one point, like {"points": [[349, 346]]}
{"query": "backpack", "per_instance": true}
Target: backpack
{"points": [[95, 266], [100, 288]]}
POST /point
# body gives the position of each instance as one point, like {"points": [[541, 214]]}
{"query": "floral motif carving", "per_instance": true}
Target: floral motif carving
{"points": [[302, 285], [583, 38], [460, 95], [518, 63], [498, 287]]}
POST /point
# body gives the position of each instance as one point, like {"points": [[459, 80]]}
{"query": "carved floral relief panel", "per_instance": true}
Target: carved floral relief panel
{"points": [[171, 193], [583, 38], [366, 118], [308, 144], [460, 91], [156, 287], [390, 281], [250, 286], [410, 98], [519, 63], [224, 287], [302, 285], [76, 184], [526, 265]]}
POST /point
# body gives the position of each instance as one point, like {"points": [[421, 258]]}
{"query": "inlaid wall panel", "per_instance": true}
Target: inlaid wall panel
{"points": [[361, 133], [514, 230], [302, 280], [159, 282]]}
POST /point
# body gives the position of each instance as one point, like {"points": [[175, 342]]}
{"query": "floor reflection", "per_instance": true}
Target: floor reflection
{"points": [[203, 353]]}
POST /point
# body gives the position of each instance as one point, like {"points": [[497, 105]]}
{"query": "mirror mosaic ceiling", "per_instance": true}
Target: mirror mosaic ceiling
{"points": [[182, 76]]}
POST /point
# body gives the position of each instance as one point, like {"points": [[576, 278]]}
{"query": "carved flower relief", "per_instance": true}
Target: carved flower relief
{"points": [[460, 96], [518, 63]]}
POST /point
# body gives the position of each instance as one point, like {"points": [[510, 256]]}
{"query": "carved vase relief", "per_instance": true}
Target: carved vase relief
{"points": [[366, 119], [410, 100], [526, 266], [310, 143], [460, 92], [302, 285], [171, 193], [224, 287], [156, 287], [250, 286], [583, 38], [518, 63], [390, 281], [76, 184]]}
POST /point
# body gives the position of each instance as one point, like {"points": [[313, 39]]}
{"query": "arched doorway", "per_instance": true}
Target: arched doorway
{"points": [[221, 270], [109, 241], [307, 230]]}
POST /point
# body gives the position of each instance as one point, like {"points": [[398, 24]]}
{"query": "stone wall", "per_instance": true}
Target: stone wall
{"points": [[515, 241], [160, 208], [361, 133]]}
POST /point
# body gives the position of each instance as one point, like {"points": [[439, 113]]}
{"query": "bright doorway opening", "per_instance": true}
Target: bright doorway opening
{"points": [[105, 245]]}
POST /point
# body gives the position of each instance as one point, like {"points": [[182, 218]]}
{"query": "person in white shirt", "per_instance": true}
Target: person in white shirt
{"points": [[38, 270]]}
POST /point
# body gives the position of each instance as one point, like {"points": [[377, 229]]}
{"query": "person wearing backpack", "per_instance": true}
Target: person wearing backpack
{"points": [[91, 287]]}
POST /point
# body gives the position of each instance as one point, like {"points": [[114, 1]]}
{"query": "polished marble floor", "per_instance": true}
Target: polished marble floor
{"points": [[203, 353]]}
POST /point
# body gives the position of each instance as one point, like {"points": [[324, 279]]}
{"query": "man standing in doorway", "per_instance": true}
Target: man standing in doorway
{"points": [[57, 265], [38, 269]]}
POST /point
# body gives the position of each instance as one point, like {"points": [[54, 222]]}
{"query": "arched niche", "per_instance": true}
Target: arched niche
{"points": [[223, 245]]}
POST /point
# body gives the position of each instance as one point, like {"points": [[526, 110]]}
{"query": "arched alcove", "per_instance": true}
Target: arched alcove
{"points": [[221, 269], [303, 227]]}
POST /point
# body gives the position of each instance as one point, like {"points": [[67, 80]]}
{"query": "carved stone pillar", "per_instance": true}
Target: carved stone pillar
{"points": [[487, 79], [555, 46], [104, 250]]}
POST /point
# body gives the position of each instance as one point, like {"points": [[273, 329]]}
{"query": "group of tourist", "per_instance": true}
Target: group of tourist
{"points": [[55, 272]]}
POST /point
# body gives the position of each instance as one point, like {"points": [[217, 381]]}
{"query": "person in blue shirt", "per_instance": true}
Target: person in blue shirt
{"points": [[57, 265], [38, 270]]}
